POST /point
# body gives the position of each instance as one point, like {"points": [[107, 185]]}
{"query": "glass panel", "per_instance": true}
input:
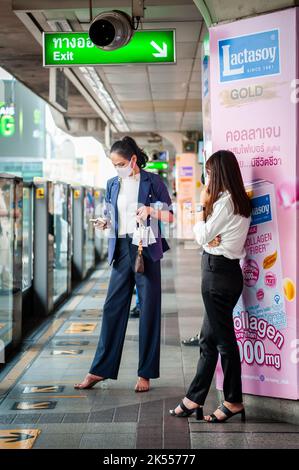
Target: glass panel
{"points": [[27, 257], [6, 259], [70, 234], [89, 254], [105, 234], [18, 237], [99, 212], [60, 239]]}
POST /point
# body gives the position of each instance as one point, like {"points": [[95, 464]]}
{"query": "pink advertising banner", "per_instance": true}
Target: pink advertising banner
{"points": [[253, 70]]}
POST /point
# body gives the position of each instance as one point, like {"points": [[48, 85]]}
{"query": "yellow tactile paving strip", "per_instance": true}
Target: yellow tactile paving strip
{"points": [[34, 350], [79, 356], [28, 397], [40, 382], [34, 405], [25, 438], [18, 438], [86, 288], [103, 285], [77, 327], [44, 389]]}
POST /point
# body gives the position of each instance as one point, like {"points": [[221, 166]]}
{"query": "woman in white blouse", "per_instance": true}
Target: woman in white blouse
{"points": [[135, 195], [222, 228]]}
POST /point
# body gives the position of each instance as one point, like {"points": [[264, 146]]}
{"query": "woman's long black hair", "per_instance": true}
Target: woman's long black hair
{"points": [[225, 175], [127, 147]]}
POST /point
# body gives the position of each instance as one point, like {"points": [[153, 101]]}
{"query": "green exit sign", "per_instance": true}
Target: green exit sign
{"points": [[75, 49], [156, 166]]}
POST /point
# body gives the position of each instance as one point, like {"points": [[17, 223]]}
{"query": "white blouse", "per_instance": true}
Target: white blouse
{"points": [[127, 204], [233, 229]]}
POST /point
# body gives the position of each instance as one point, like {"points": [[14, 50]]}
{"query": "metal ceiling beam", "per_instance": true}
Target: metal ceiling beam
{"points": [[32, 5], [195, 59], [31, 10], [217, 11], [204, 11]]}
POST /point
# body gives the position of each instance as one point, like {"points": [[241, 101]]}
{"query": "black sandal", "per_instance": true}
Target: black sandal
{"points": [[228, 414], [187, 412]]}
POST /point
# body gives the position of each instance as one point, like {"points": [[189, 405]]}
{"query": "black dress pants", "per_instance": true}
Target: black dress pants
{"points": [[222, 285]]}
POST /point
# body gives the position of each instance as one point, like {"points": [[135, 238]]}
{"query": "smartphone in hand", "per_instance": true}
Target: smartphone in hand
{"points": [[99, 222]]}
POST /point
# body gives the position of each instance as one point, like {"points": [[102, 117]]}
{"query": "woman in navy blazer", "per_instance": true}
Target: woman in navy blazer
{"points": [[152, 206]]}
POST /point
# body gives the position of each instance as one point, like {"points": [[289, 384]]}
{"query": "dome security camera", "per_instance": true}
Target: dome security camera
{"points": [[111, 30]]}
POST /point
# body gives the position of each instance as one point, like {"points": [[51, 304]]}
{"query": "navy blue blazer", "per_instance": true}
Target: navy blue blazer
{"points": [[151, 190]]}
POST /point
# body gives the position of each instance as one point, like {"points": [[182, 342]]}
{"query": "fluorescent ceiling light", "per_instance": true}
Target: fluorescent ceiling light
{"points": [[5, 75], [106, 101], [96, 83], [59, 25]]}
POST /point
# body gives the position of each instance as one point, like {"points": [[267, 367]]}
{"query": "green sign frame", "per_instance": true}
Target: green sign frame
{"points": [[75, 49]]}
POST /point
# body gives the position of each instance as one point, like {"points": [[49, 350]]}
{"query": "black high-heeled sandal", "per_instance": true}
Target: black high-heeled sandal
{"points": [[228, 414], [187, 412]]}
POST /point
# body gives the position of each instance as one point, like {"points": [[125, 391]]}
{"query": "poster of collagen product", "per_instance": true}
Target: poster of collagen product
{"points": [[254, 114]]}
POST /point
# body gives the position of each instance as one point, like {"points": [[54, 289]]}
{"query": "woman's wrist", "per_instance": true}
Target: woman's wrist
{"points": [[199, 217], [163, 216], [153, 213]]}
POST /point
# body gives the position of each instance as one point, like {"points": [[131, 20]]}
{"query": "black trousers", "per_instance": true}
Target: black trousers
{"points": [[222, 285], [116, 313]]}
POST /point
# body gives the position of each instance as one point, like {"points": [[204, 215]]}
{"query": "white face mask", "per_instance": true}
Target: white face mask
{"points": [[125, 171], [207, 180]]}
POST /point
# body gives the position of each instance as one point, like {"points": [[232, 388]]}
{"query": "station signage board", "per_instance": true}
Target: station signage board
{"points": [[69, 49]]}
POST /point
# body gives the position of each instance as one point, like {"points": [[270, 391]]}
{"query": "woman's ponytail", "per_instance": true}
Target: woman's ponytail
{"points": [[127, 147]]}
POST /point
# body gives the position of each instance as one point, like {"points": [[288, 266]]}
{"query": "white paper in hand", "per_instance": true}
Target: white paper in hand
{"points": [[145, 234]]}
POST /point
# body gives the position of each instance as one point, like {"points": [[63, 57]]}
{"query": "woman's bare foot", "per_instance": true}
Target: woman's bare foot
{"points": [[89, 381], [191, 405], [233, 407], [142, 385]]}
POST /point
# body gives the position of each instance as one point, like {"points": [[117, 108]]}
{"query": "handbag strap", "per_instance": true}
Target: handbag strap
{"points": [[140, 247]]}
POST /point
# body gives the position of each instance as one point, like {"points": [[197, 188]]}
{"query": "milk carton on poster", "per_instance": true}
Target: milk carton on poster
{"points": [[263, 295]]}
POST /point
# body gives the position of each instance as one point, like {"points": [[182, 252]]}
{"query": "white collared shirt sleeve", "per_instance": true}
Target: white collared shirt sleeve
{"points": [[205, 232]]}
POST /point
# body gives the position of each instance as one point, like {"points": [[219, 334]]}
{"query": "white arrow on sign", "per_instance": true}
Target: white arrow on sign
{"points": [[162, 52]]}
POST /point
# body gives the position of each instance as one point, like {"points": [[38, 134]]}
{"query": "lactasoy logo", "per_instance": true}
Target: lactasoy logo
{"points": [[261, 210], [253, 55]]}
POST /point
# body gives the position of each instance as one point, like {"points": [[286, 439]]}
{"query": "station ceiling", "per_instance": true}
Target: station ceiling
{"points": [[152, 99], [217, 11]]}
